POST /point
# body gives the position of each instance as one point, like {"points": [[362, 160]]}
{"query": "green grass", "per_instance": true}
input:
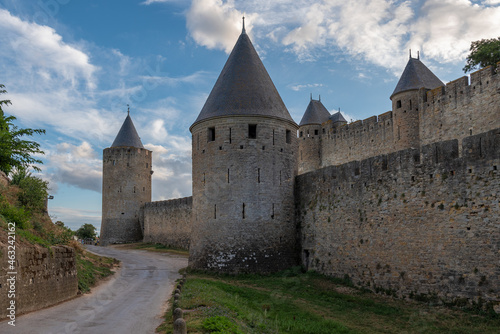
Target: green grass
{"points": [[91, 268], [294, 302]]}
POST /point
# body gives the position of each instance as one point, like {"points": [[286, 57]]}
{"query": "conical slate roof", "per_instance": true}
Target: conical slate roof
{"points": [[316, 113], [415, 76], [244, 87], [337, 117], [127, 136]]}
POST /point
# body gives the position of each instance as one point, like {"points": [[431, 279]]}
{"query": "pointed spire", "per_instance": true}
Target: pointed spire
{"points": [[127, 136], [128, 109], [415, 76], [316, 113], [337, 117], [243, 31], [244, 88]]}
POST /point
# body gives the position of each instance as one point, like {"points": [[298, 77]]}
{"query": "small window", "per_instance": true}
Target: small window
{"points": [[252, 131], [301, 133], [288, 136], [211, 134], [316, 132], [323, 130], [398, 104]]}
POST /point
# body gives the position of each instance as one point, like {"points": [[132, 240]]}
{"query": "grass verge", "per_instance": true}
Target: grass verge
{"points": [[92, 268], [295, 302]]}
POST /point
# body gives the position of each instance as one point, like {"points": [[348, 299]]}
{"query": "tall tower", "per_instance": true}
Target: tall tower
{"points": [[244, 167], [310, 135], [406, 99], [126, 186]]}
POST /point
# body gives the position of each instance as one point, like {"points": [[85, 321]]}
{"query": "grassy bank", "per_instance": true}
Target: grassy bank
{"points": [[92, 268], [294, 302]]}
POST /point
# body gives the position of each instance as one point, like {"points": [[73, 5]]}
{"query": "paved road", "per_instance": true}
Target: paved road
{"points": [[132, 302]]}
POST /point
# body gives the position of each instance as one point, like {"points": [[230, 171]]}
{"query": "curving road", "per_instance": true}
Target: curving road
{"points": [[133, 301]]}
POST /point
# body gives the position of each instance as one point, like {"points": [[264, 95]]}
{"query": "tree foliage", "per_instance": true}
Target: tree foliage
{"points": [[15, 152], [485, 52], [86, 231]]}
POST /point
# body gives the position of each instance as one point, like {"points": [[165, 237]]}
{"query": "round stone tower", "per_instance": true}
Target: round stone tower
{"points": [[406, 98], [244, 167], [310, 136], [126, 186]]}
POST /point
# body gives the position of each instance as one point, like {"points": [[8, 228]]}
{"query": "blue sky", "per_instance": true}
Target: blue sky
{"points": [[71, 67]]}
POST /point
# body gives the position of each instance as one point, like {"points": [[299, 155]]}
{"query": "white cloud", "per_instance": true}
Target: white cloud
{"points": [[150, 2], [172, 169], [39, 48], [377, 32], [79, 166], [215, 24], [301, 87]]}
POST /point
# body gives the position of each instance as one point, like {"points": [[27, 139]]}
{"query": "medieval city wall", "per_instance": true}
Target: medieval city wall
{"points": [[356, 141], [44, 277], [454, 111], [168, 222], [414, 222], [460, 109]]}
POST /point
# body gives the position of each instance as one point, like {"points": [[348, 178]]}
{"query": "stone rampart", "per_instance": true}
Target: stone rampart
{"points": [[460, 109], [454, 111], [168, 222], [418, 222], [44, 277], [358, 140]]}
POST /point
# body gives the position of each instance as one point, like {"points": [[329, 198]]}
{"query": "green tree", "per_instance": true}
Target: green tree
{"points": [[86, 231], [485, 52], [14, 151]]}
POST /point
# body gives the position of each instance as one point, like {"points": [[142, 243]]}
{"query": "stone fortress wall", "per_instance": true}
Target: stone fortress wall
{"points": [[453, 111], [413, 222], [44, 277], [168, 222]]}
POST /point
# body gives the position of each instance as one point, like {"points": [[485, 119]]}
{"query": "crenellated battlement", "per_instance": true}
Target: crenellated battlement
{"points": [[453, 111]]}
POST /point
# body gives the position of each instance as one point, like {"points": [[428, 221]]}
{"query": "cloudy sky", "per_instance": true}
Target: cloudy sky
{"points": [[71, 67]]}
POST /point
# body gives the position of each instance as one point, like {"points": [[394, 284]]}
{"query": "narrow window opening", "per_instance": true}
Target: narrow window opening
{"points": [[263, 148], [114, 162], [147, 165], [243, 212], [134, 189], [228, 175], [143, 188], [241, 147], [252, 131], [211, 134], [198, 141], [301, 133], [273, 136], [258, 175], [410, 104], [470, 170], [398, 104], [280, 178], [470, 132], [316, 132], [203, 178], [480, 147], [494, 167], [215, 211], [399, 133], [272, 212], [288, 136], [413, 179], [230, 139]]}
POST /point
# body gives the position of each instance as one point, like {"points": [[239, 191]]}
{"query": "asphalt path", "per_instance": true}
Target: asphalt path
{"points": [[132, 301]]}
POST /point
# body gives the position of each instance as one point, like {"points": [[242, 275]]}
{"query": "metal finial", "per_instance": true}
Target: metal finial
{"points": [[128, 110], [418, 55], [311, 96], [319, 98], [410, 53], [243, 31]]}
